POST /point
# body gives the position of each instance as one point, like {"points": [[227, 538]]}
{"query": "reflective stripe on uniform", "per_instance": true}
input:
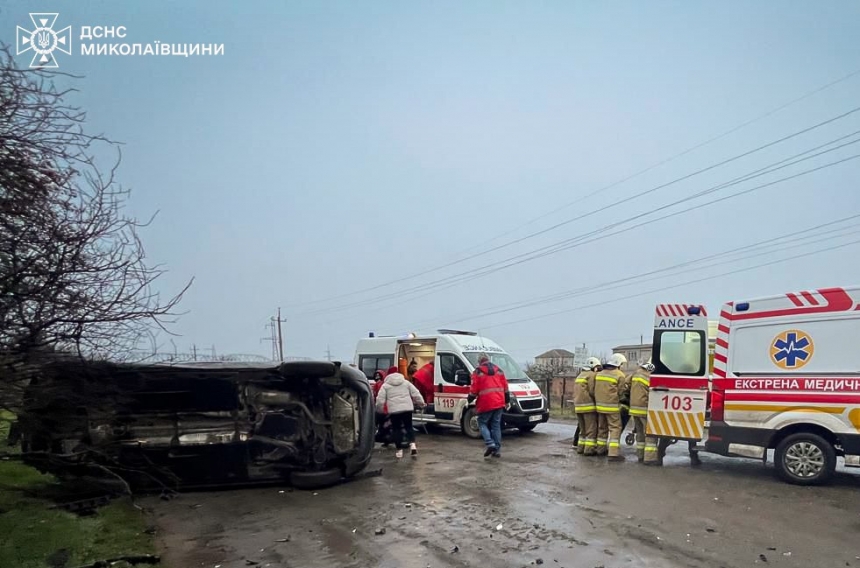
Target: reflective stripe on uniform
{"points": [[585, 409], [491, 389], [614, 444], [601, 442], [638, 411], [607, 379], [605, 408], [590, 443], [644, 381], [581, 381], [649, 448], [640, 445]]}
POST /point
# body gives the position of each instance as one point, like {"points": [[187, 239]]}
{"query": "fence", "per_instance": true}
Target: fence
{"points": [[558, 391]]}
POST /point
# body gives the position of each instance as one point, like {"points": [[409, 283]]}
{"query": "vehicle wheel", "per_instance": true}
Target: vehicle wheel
{"points": [[805, 459], [527, 428], [469, 423], [315, 479]]}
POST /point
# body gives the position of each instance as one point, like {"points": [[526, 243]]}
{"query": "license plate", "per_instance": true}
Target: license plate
{"points": [[535, 418]]}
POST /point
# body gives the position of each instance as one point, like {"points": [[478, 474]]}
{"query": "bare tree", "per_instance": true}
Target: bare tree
{"points": [[74, 278]]}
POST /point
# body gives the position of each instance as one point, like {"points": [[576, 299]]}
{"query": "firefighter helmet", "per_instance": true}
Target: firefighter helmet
{"points": [[648, 366], [617, 360], [592, 362]]}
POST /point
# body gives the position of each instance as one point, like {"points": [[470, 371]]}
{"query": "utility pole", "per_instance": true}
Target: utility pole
{"points": [[273, 339], [328, 353], [279, 321], [193, 352]]}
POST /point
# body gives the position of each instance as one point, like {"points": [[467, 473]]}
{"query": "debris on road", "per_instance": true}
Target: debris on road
{"points": [[499, 527], [283, 540], [455, 550], [379, 532], [762, 557], [132, 560]]}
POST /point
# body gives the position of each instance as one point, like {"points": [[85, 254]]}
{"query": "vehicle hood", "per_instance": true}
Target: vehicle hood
{"points": [[524, 389]]}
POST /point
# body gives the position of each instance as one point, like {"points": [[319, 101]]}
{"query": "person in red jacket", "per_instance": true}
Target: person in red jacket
{"points": [[490, 388], [424, 379]]}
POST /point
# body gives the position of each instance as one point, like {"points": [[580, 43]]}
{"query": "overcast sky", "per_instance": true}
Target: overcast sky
{"points": [[336, 147]]}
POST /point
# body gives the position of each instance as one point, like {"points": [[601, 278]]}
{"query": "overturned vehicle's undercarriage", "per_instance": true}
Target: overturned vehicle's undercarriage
{"points": [[311, 423]]}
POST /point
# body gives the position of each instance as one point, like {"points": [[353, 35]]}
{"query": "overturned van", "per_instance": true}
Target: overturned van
{"points": [[199, 424]]}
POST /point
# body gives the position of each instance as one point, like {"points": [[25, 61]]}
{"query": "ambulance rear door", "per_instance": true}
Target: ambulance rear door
{"points": [[679, 384]]}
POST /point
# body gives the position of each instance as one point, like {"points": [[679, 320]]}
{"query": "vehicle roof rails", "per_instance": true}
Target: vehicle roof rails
{"points": [[455, 332]]}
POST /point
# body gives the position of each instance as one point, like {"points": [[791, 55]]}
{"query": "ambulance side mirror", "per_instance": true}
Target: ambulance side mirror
{"points": [[462, 378]]}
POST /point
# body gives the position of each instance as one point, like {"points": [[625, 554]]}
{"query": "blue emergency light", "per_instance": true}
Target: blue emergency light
{"points": [[742, 307], [694, 310], [371, 334]]}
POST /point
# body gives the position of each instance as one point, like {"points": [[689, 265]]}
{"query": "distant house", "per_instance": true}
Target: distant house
{"points": [[635, 353], [556, 359]]}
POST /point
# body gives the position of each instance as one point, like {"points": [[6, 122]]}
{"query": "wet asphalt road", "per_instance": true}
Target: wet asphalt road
{"points": [[540, 504]]}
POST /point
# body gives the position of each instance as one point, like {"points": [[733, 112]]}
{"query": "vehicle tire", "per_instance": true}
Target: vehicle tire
{"points": [[315, 479], [469, 423], [527, 428], [805, 459]]}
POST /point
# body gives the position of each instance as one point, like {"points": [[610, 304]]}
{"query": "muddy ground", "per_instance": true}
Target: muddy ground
{"points": [[540, 504]]}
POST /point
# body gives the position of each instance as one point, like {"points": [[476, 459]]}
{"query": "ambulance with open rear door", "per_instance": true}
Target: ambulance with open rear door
{"points": [[455, 354], [786, 377]]}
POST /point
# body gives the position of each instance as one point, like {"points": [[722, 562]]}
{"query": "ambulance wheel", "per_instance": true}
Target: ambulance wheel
{"points": [[469, 423], [805, 459]]}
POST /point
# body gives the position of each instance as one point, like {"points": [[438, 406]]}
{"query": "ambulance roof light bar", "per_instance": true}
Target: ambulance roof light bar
{"points": [[455, 332], [694, 310]]}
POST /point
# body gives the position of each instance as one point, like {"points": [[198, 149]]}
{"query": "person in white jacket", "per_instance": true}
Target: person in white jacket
{"points": [[402, 398]]}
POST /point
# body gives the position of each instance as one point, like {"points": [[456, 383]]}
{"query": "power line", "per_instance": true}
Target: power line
{"points": [[577, 241], [792, 236], [532, 235], [639, 279], [572, 242], [676, 156], [672, 287], [785, 241]]}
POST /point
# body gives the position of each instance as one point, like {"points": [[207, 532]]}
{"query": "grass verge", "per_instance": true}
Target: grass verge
{"points": [[560, 413], [36, 536]]}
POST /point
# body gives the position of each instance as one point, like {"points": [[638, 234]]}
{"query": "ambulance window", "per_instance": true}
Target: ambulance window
{"points": [[680, 353], [369, 364], [449, 364]]}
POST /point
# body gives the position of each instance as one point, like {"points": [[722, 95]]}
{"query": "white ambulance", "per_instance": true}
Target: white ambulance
{"points": [[455, 354], [786, 377]]}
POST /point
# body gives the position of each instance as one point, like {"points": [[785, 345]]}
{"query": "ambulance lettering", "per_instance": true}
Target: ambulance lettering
{"points": [[767, 384], [679, 323]]}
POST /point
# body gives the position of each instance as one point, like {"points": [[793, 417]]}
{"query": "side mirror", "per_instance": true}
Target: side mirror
{"points": [[462, 378]]}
